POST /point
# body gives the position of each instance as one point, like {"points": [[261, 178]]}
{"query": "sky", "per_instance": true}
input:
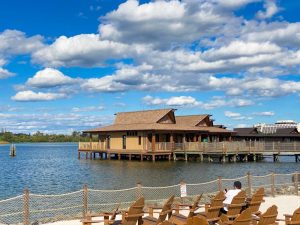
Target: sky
{"points": [[71, 65]]}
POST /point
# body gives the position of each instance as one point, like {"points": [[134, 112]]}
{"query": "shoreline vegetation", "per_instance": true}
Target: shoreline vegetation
{"points": [[9, 137]]}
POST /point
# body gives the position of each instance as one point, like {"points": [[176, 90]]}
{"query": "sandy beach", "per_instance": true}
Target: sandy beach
{"points": [[286, 205]]}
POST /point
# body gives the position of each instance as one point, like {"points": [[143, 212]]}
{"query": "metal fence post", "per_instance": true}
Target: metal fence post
{"points": [[139, 193], [273, 184], [85, 200], [296, 182], [220, 183], [26, 212], [249, 184]]}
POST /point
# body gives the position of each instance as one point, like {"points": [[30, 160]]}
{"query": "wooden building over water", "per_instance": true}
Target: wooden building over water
{"points": [[152, 133]]}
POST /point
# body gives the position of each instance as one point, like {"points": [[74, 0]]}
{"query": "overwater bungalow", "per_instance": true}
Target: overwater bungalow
{"points": [[153, 133]]}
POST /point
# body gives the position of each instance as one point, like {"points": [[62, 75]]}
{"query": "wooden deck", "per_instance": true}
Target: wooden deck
{"points": [[222, 151]]}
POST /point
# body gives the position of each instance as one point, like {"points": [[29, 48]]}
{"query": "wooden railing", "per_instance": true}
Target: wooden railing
{"points": [[92, 146], [234, 147]]}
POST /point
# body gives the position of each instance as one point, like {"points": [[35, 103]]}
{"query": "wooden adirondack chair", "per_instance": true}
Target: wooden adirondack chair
{"points": [[244, 218], [267, 218], [180, 219], [212, 210], [130, 217], [166, 210], [197, 220], [256, 201], [293, 219], [236, 205]]}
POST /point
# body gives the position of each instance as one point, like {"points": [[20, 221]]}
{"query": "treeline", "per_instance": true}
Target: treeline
{"points": [[41, 137]]}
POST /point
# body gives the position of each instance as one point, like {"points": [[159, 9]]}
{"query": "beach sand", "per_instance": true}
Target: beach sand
{"points": [[286, 205]]}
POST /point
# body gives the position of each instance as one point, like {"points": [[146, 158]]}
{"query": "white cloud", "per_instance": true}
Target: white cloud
{"points": [[236, 116], [87, 109], [5, 74], [266, 113], [270, 10], [163, 24], [85, 50], [30, 96], [14, 42], [240, 49], [231, 114], [173, 101], [216, 102], [49, 77]]}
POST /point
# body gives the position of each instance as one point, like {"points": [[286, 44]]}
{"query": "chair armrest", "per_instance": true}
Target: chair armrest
{"points": [[134, 215], [165, 212], [91, 221], [287, 215]]}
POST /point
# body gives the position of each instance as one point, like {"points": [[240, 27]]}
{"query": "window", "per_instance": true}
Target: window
{"points": [[132, 133], [140, 140], [124, 141]]}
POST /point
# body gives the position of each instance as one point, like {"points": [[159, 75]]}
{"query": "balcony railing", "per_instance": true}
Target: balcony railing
{"points": [[234, 147]]}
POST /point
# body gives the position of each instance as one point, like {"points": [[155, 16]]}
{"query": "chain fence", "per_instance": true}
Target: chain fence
{"points": [[34, 208]]}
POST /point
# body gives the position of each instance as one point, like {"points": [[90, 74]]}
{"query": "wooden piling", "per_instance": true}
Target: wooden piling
{"points": [[26, 212]]}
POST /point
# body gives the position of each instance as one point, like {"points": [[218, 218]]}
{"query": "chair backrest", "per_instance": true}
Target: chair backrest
{"points": [[135, 209], [195, 205], [197, 220], [215, 205], [244, 218], [167, 207], [256, 200], [296, 216], [269, 217], [236, 204]]}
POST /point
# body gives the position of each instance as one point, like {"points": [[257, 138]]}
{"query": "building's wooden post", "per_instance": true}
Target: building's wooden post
{"points": [[199, 138], [78, 154], [220, 183], [249, 184], [26, 210], [296, 181], [153, 141], [86, 155], [139, 192], [119, 156], [273, 184], [172, 141], [85, 200], [194, 138]]}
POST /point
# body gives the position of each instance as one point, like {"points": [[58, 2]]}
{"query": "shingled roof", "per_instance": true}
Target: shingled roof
{"points": [[253, 132], [161, 119], [192, 120], [141, 117]]}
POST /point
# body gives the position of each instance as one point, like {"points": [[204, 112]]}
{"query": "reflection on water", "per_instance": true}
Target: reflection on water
{"points": [[54, 168]]}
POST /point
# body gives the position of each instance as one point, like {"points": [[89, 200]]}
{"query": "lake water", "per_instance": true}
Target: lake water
{"points": [[54, 169]]}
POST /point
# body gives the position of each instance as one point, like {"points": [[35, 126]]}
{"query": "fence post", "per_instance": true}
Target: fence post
{"points": [[85, 200], [139, 193], [273, 184], [296, 181], [26, 212], [220, 183], [249, 184]]}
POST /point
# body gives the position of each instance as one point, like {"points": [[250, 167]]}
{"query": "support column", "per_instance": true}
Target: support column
{"points": [[172, 141], [153, 141], [199, 138], [119, 156], [195, 138], [153, 158], [79, 155], [201, 157]]}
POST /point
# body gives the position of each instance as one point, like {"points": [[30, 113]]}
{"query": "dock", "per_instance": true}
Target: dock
{"points": [[227, 151]]}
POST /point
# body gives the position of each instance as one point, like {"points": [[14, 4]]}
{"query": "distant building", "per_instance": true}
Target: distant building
{"points": [[153, 130], [283, 131]]}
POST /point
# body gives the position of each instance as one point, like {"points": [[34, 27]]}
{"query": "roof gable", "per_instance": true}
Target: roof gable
{"points": [[193, 120], [147, 116]]}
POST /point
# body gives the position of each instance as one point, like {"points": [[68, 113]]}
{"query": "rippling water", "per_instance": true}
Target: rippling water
{"points": [[54, 168]]}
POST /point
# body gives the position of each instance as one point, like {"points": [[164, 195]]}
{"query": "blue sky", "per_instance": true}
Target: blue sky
{"points": [[70, 65]]}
